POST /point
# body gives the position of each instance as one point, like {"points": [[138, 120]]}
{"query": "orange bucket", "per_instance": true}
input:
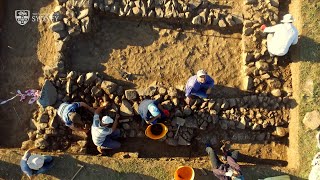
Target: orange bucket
{"points": [[150, 135], [184, 173]]}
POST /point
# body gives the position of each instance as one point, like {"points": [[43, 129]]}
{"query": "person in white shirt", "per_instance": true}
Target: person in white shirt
{"points": [[104, 131], [281, 36]]}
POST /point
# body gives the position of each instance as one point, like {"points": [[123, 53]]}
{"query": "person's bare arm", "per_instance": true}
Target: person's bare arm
{"points": [[188, 99], [98, 110], [116, 122], [83, 104], [77, 128]]}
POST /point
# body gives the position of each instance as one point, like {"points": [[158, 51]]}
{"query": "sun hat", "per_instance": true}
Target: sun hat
{"points": [[107, 120], [287, 18], [153, 109], [201, 73], [35, 161]]}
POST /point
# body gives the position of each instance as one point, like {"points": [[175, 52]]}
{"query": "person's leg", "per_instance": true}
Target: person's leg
{"points": [[234, 155], [202, 93], [115, 134], [215, 162], [110, 143], [48, 163]]}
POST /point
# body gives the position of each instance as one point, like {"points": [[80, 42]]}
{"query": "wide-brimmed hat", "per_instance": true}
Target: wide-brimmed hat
{"points": [[106, 120], [35, 161], [287, 18]]}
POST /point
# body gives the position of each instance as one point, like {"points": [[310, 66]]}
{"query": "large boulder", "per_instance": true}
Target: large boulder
{"points": [[131, 94], [90, 78], [312, 119], [109, 87], [126, 108], [41, 143], [48, 95]]}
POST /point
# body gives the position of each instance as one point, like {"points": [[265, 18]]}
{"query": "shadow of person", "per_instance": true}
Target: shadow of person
{"points": [[66, 167], [7, 170], [221, 91], [254, 160], [307, 50]]}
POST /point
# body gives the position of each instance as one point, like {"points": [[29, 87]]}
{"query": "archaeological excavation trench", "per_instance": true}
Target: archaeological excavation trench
{"points": [[126, 51]]}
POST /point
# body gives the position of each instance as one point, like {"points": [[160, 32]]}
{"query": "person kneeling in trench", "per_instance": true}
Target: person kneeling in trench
{"points": [[199, 85], [225, 171], [67, 113], [281, 36], [104, 131], [152, 112], [35, 164]]}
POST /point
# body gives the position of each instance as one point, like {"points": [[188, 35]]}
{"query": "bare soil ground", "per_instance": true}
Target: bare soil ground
{"points": [[23, 51], [158, 52], [152, 52]]}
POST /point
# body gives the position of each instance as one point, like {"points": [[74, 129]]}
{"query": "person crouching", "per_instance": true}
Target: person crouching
{"points": [[104, 131]]}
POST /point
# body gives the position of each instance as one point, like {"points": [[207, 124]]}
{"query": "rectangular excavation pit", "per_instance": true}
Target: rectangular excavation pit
{"points": [[170, 55]]}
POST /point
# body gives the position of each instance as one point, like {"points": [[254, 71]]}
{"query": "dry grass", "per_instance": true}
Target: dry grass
{"points": [[309, 71]]}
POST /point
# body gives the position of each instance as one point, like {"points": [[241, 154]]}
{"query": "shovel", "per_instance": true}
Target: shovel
{"points": [[180, 122]]}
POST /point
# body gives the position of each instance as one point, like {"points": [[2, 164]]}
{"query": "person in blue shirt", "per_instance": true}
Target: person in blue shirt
{"points": [[152, 112], [35, 164], [198, 85], [104, 131], [67, 113]]}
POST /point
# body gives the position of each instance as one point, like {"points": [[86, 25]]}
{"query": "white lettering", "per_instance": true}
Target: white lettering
{"points": [[34, 19]]}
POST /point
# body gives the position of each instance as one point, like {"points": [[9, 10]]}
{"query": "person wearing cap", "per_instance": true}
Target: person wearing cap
{"points": [[225, 171], [198, 85], [35, 164], [152, 112], [104, 131], [281, 36], [67, 113]]}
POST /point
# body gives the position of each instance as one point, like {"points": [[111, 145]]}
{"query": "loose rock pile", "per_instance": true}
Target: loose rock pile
{"points": [[249, 113], [72, 18], [194, 12]]}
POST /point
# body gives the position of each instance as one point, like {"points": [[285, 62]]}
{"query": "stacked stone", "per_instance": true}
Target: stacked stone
{"points": [[263, 75], [196, 12], [71, 18], [253, 113]]}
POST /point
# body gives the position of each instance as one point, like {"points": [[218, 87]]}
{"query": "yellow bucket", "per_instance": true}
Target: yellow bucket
{"points": [[184, 173], [150, 135]]}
